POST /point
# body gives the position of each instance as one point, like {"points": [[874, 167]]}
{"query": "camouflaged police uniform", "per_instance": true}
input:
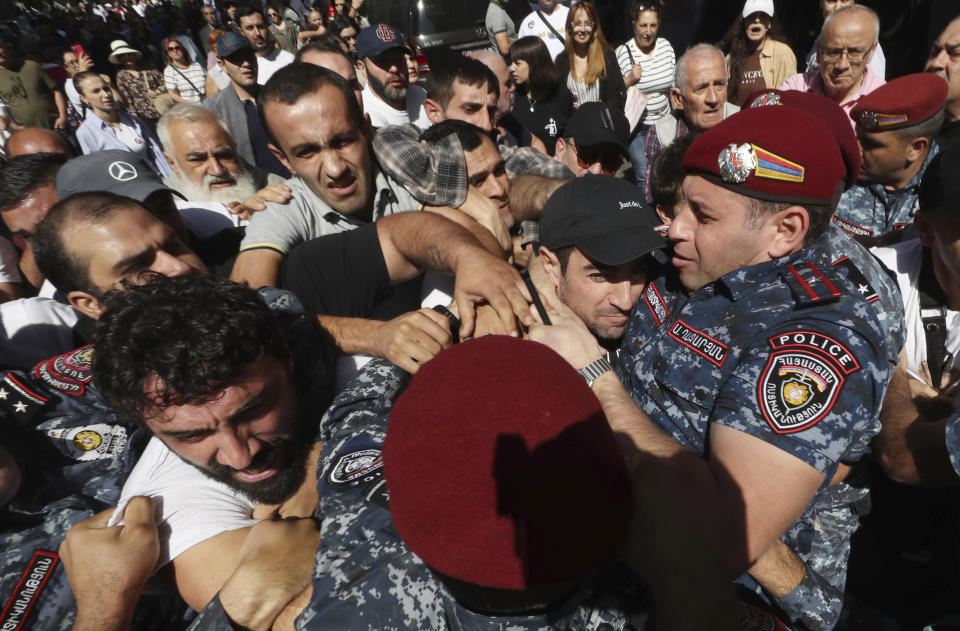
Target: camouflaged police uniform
{"points": [[870, 210], [74, 456], [797, 352]]}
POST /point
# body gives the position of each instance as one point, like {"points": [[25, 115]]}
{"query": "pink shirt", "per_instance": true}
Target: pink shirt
{"points": [[813, 82]]}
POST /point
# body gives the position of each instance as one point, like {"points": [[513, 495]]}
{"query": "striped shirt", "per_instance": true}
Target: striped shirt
{"points": [[177, 79], [657, 77]]}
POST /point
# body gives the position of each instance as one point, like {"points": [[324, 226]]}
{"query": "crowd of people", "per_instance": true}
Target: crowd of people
{"points": [[297, 332]]}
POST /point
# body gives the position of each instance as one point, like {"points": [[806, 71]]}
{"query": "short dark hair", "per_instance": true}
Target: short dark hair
{"points": [[563, 257], [666, 172], [819, 214], [196, 334], [469, 135], [457, 67], [54, 259], [928, 128], [544, 77], [296, 80], [323, 45], [249, 8], [22, 175]]}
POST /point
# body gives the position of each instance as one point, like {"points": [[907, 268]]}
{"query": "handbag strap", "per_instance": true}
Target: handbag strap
{"points": [[550, 26], [630, 53], [187, 79]]}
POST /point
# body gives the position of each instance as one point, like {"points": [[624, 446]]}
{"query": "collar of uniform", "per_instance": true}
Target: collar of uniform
{"points": [[746, 280]]}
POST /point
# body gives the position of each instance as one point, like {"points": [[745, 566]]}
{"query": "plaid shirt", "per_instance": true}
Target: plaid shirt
{"points": [[653, 147], [436, 173]]}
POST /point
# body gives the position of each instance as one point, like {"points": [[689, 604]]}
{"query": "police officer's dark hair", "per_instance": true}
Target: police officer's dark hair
{"points": [[458, 67], [49, 241], [22, 175], [196, 334], [296, 80], [666, 173], [928, 128], [323, 45], [469, 135], [819, 215], [249, 8]]}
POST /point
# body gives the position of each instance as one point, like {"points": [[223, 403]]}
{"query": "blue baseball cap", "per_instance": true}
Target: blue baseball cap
{"points": [[378, 38]]}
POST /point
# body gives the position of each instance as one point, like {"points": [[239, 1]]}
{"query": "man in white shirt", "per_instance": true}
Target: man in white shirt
{"points": [[254, 28], [547, 23], [386, 97]]}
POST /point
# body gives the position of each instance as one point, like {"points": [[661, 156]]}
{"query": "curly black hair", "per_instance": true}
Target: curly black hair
{"points": [[196, 334]]}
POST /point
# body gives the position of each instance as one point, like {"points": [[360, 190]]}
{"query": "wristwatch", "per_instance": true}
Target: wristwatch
{"points": [[592, 371]]}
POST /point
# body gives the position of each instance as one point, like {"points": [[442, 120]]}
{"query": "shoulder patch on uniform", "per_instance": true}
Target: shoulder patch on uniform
{"points": [[354, 468], [851, 228], [89, 442], [18, 400], [28, 590], [658, 308], [69, 373], [809, 285], [699, 342], [802, 379], [865, 289]]}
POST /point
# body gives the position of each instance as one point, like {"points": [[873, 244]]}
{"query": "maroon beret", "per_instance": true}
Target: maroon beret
{"points": [[824, 109], [781, 154], [903, 102], [502, 469]]}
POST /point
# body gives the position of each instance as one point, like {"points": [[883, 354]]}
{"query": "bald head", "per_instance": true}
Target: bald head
{"points": [[498, 66], [37, 140], [846, 44]]}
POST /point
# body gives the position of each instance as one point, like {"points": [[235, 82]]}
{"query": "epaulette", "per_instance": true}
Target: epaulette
{"points": [[857, 278], [68, 373], [19, 402], [809, 285]]}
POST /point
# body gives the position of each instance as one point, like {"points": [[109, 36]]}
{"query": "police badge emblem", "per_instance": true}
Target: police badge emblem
{"points": [[868, 120], [736, 163], [767, 98]]}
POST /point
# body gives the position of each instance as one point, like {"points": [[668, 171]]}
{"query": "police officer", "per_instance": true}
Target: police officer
{"points": [[765, 346], [896, 126]]}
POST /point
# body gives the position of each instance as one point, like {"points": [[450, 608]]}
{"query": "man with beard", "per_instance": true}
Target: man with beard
{"points": [[254, 27], [206, 165], [380, 51]]}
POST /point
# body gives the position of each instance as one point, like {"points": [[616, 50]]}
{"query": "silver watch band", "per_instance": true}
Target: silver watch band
{"points": [[592, 371]]}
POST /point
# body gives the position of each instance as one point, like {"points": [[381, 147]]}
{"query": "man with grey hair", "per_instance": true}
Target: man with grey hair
{"points": [[847, 42], [698, 99], [206, 166]]}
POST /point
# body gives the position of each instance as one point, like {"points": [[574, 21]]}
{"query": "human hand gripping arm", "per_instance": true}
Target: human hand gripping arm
{"points": [[108, 567]]}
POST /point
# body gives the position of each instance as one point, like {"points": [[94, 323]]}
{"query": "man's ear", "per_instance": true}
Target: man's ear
{"points": [[676, 99], [85, 303], [361, 69], [172, 163], [551, 265], [917, 149], [790, 228], [281, 157], [559, 147], [433, 110]]}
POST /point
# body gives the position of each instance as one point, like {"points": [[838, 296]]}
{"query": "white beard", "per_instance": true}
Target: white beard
{"points": [[243, 188]]}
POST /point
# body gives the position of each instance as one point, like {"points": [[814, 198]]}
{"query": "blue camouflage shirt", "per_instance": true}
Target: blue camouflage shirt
{"points": [[868, 209], [797, 352]]}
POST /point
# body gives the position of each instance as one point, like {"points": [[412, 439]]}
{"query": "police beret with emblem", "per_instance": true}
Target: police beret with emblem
{"points": [[824, 109], [900, 103], [781, 154], [501, 468]]}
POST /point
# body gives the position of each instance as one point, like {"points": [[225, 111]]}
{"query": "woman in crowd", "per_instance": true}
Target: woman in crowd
{"points": [[137, 87], [313, 28], [757, 58], [107, 127], [647, 62], [589, 66], [541, 103], [73, 64], [284, 31], [346, 29], [184, 78], [217, 78]]}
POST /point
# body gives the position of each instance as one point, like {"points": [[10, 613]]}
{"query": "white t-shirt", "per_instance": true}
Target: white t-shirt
{"points": [[266, 66], [904, 260], [35, 329], [382, 114], [533, 25], [129, 136], [9, 263], [190, 506], [73, 96]]}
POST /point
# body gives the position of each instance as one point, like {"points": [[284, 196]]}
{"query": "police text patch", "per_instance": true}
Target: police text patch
{"points": [[802, 379], [27, 591], [655, 303], [712, 349]]}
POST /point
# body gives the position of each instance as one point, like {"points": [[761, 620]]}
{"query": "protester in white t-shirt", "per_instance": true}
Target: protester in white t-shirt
{"points": [[554, 15]]}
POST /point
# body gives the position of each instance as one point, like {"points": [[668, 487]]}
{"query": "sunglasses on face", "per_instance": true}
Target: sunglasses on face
{"points": [[173, 48]]}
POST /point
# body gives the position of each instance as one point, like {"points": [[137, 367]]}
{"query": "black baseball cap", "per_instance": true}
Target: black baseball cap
{"points": [[595, 123], [607, 218], [111, 170], [940, 188]]}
